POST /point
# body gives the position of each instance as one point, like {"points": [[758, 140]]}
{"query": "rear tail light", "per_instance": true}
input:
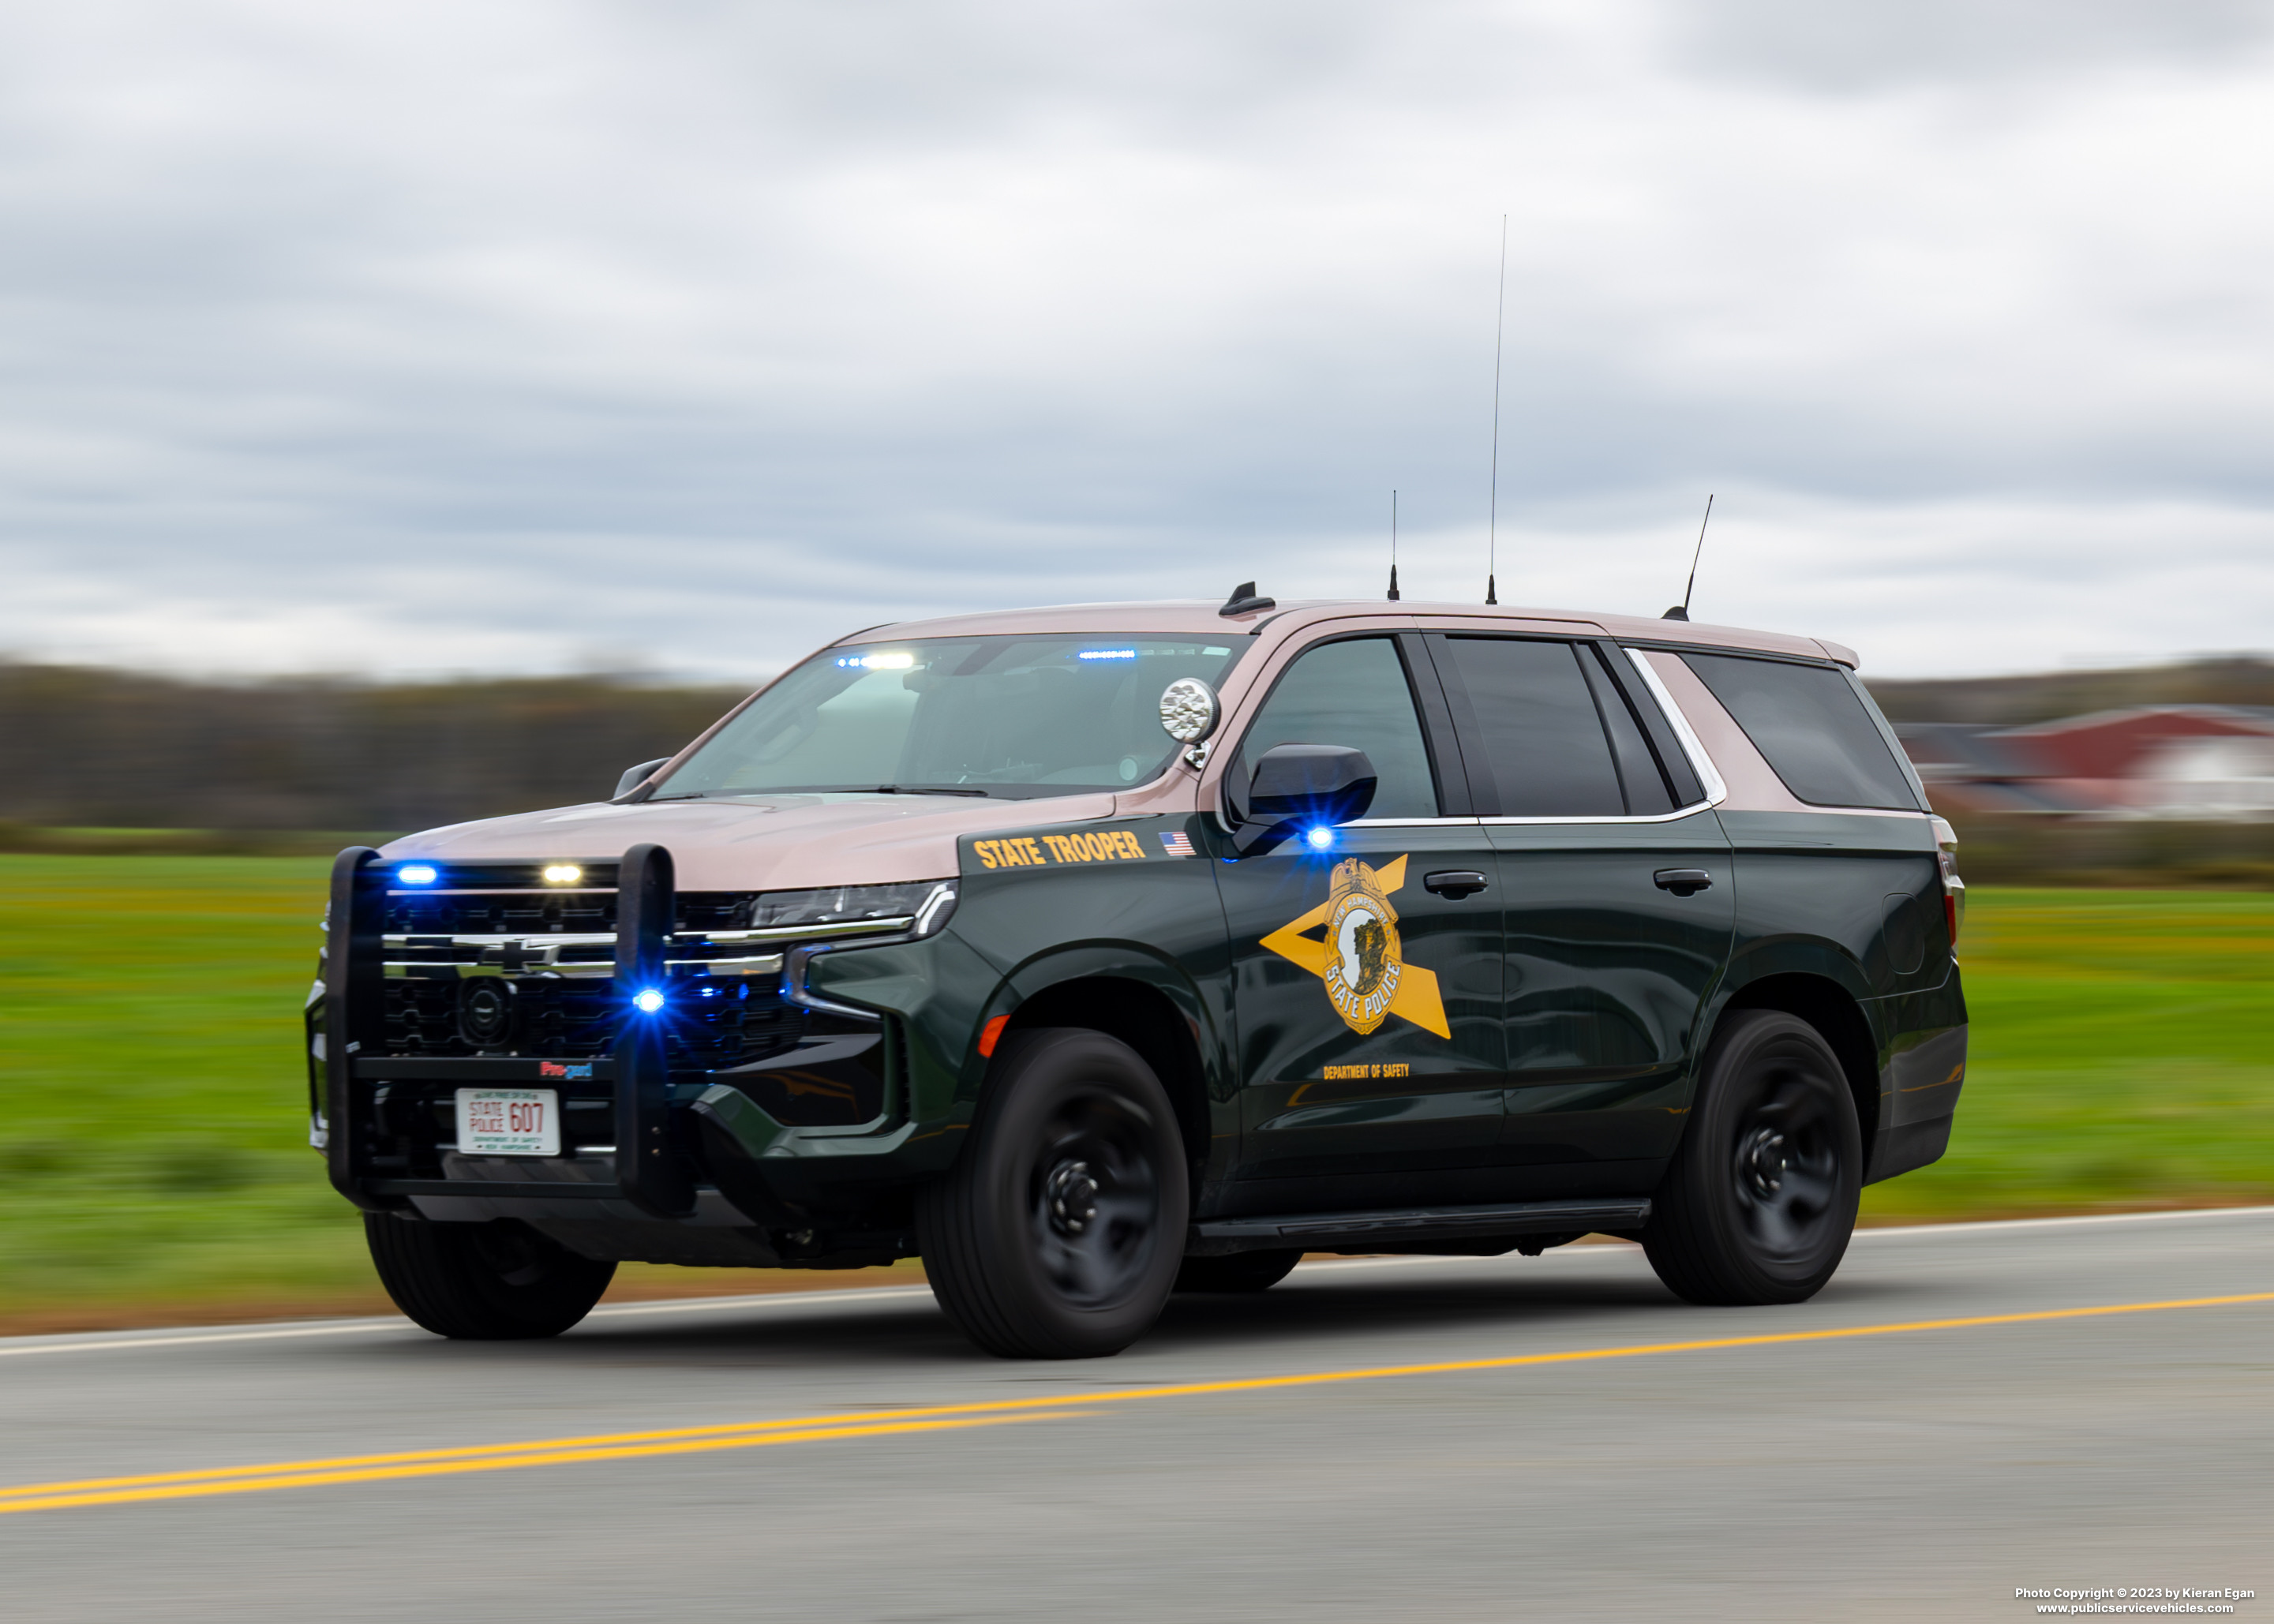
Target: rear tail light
{"points": [[1954, 889]]}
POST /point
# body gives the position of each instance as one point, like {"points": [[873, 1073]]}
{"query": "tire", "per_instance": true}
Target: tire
{"points": [[1057, 1233], [497, 1281], [1241, 1271], [1760, 1202]]}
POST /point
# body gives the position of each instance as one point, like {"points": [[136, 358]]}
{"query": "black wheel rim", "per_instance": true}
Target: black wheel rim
{"points": [[1786, 1162], [1094, 1201], [511, 1253]]}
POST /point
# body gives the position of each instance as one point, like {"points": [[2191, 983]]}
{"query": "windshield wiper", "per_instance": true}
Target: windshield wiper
{"points": [[906, 789]]}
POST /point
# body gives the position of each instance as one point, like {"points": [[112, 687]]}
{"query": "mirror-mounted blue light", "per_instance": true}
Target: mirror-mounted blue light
{"points": [[417, 874], [1320, 838], [647, 1000]]}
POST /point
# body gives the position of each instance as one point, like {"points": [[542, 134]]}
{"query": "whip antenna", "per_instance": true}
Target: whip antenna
{"points": [[1393, 547], [1492, 515], [1681, 610]]}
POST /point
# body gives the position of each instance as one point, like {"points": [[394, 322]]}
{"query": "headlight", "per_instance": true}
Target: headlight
{"points": [[925, 904]]}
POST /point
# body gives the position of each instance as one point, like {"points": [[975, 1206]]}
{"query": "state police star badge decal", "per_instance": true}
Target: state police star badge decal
{"points": [[1361, 960]]}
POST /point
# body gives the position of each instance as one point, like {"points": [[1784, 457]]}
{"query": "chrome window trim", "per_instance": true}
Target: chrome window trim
{"points": [[1653, 818], [1716, 791], [1411, 822]]}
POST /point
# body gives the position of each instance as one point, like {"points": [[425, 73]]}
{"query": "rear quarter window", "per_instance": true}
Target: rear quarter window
{"points": [[1811, 725]]}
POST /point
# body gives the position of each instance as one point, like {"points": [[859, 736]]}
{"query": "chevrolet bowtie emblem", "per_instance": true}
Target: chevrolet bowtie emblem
{"points": [[1362, 961]]}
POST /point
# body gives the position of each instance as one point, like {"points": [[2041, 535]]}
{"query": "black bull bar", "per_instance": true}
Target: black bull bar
{"points": [[651, 1173]]}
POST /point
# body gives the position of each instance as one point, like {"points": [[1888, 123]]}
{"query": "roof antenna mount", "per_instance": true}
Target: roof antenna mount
{"points": [[1492, 512], [1244, 601], [1681, 610], [1393, 547]]}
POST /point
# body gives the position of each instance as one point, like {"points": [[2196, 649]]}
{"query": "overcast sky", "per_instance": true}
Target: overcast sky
{"points": [[686, 334]]}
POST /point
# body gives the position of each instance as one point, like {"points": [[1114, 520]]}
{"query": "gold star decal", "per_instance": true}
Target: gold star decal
{"points": [[1361, 961]]}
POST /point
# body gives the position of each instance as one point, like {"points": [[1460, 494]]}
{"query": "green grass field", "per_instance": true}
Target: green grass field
{"points": [[153, 1163], [2122, 1055]]}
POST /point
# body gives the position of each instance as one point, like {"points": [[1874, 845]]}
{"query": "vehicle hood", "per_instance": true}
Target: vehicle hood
{"points": [[759, 842]]}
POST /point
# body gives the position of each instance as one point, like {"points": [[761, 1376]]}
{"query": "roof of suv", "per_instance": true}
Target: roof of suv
{"points": [[1194, 618]]}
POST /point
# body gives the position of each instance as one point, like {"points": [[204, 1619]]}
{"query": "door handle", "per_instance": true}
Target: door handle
{"points": [[1683, 881], [1454, 884]]}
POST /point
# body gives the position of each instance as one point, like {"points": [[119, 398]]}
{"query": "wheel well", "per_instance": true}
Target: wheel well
{"points": [[1143, 1018], [1826, 1005]]}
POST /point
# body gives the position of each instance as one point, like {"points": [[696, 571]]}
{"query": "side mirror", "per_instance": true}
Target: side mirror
{"points": [[634, 776], [1299, 786]]}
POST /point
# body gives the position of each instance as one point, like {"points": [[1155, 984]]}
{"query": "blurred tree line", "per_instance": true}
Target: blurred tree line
{"points": [[257, 762], [84, 746], [2046, 696]]}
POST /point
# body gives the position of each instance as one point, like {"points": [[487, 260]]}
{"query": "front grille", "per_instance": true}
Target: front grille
{"points": [[495, 969], [516, 961]]}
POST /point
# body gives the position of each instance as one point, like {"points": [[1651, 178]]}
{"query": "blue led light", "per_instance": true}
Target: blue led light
{"points": [[647, 1001], [1095, 654], [1320, 838], [417, 874]]}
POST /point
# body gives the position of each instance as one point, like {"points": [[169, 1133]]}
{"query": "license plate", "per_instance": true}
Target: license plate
{"points": [[509, 1122]]}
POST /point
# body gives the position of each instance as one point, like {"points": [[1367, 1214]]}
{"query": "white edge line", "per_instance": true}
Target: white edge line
{"points": [[2048, 1223], [129, 1340], [698, 1304], [690, 1306], [348, 1327]]}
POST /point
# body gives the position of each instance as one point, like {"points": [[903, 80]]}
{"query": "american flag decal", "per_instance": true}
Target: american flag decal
{"points": [[1178, 843]]}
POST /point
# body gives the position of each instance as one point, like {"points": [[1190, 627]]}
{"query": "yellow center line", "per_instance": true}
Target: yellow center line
{"points": [[300, 1475], [938, 1417]]}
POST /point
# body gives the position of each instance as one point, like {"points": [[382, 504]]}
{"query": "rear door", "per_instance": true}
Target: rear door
{"points": [[1371, 1047], [1617, 899]]}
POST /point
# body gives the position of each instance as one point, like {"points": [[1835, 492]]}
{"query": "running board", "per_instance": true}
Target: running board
{"points": [[1387, 1231]]}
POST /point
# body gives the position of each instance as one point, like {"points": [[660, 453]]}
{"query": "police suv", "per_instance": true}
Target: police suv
{"points": [[1096, 953]]}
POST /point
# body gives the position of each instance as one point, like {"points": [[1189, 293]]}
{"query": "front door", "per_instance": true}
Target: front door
{"points": [[1611, 950], [1366, 976]]}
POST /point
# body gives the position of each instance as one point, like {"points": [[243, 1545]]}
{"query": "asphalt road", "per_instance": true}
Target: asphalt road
{"points": [[1881, 1472]]}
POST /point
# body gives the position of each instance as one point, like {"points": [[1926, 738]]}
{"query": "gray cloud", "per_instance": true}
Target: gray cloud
{"points": [[1845, 47], [417, 338]]}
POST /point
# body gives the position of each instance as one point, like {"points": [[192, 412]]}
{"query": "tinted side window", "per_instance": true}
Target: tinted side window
{"points": [[1648, 794], [1353, 693], [1536, 728], [1811, 727]]}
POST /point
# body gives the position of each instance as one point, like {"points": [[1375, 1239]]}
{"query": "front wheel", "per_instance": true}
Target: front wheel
{"points": [[1057, 1232], [495, 1281], [1760, 1200]]}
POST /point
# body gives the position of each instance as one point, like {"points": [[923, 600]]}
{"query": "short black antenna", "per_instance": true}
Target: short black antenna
{"points": [[1681, 610], [1491, 517], [1393, 547]]}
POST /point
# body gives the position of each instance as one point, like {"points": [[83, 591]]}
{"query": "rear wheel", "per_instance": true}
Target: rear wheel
{"points": [[494, 1282], [1760, 1202], [1056, 1234], [1242, 1271]]}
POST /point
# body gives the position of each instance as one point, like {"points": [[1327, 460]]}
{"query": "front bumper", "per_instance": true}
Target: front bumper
{"points": [[657, 1163]]}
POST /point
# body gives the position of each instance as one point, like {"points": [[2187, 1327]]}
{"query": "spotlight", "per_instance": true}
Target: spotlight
{"points": [[563, 874], [647, 1001], [1320, 838], [417, 874]]}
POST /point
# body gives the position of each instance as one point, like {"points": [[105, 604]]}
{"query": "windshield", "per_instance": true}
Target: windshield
{"points": [[1017, 716]]}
